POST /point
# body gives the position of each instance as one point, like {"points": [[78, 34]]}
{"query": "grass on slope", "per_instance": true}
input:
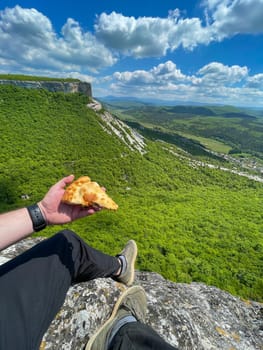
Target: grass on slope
{"points": [[190, 223], [34, 78], [213, 145]]}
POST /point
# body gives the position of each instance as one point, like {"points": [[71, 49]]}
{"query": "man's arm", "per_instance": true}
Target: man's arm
{"points": [[17, 224], [14, 226]]}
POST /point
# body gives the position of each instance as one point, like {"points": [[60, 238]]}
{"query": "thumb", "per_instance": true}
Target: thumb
{"points": [[66, 180]]}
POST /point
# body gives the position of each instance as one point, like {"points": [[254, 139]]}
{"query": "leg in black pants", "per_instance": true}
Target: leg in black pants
{"points": [[138, 336], [126, 329], [33, 286]]}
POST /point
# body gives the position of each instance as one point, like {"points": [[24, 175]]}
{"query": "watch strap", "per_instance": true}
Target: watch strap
{"points": [[38, 220]]}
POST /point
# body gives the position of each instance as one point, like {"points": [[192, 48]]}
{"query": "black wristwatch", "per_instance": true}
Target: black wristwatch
{"points": [[38, 220]]}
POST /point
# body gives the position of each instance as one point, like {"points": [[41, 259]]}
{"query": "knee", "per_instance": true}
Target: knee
{"points": [[67, 237], [66, 234]]}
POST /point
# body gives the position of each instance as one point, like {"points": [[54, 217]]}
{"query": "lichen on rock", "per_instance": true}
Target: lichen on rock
{"points": [[190, 316]]}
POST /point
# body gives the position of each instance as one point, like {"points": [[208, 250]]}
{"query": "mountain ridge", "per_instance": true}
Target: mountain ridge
{"points": [[115, 100]]}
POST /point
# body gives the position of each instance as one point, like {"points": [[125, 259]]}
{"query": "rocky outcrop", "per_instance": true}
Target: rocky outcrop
{"points": [[114, 126], [53, 86], [191, 316]]}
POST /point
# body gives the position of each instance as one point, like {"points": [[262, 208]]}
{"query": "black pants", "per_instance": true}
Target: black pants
{"points": [[138, 336], [33, 287]]}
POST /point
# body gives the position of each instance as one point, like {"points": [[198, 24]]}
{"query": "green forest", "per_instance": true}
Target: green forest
{"points": [[236, 130], [191, 223]]}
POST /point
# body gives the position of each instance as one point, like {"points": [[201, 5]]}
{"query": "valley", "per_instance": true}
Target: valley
{"points": [[191, 220], [227, 132]]}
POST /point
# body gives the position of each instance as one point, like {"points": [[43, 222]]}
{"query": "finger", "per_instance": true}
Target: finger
{"points": [[91, 211], [69, 179], [86, 211], [65, 181]]}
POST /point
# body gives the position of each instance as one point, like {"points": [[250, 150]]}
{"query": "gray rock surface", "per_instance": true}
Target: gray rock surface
{"points": [[191, 316], [53, 86]]}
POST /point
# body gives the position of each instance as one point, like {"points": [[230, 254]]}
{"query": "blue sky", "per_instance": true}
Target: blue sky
{"points": [[208, 51]]}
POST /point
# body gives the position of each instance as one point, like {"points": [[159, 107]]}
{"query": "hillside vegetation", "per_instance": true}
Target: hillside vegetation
{"points": [[191, 223], [34, 78], [241, 131]]}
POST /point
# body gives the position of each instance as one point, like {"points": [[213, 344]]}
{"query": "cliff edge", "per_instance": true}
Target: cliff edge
{"points": [[52, 86], [190, 316]]}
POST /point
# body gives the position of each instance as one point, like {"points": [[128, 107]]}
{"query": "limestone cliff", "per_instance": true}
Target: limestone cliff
{"points": [[53, 86], [191, 316], [114, 126]]}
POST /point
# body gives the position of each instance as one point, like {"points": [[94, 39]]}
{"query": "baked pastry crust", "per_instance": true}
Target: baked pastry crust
{"points": [[87, 193]]}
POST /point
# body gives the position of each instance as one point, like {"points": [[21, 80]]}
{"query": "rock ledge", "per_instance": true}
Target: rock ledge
{"points": [[191, 316]]}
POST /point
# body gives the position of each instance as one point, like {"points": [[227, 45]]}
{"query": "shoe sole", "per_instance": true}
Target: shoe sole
{"points": [[113, 314], [131, 280]]}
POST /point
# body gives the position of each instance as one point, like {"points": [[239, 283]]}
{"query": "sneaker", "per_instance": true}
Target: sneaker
{"points": [[132, 302], [130, 254]]}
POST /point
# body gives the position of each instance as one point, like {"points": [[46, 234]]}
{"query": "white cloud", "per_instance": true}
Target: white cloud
{"points": [[154, 36], [167, 70], [132, 36], [216, 73], [27, 37], [159, 75], [231, 17], [29, 44], [255, 81], [148, 36], [213, 83]]}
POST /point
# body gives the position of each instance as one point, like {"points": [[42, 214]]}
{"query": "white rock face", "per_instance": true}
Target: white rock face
{"points": [[190, 316], [132, 139], [53, 86]]}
